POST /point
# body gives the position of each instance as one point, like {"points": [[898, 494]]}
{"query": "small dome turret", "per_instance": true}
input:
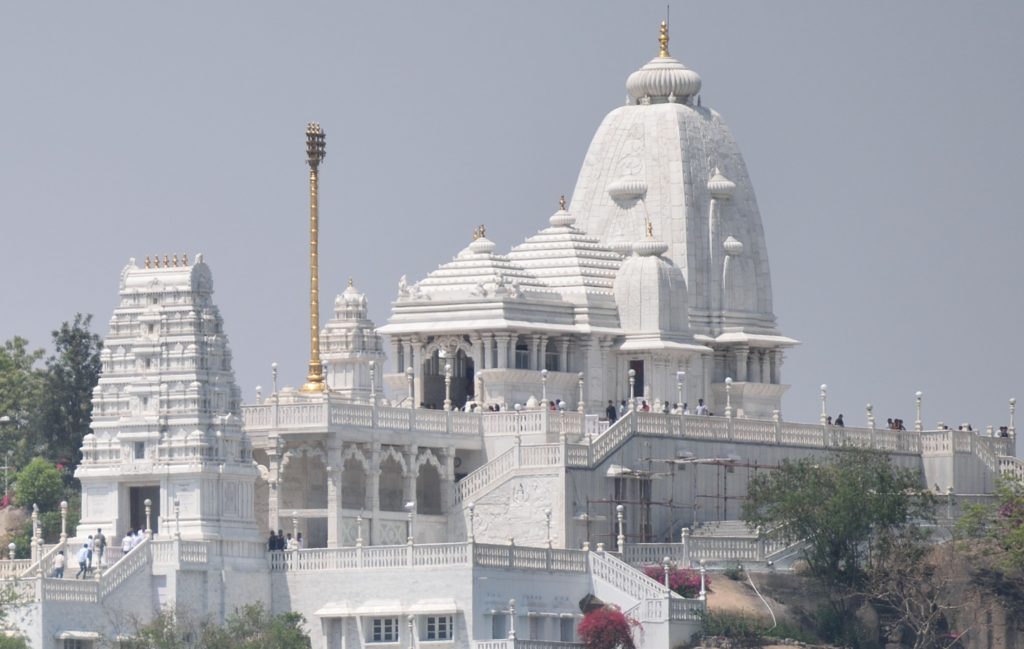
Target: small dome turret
{"points": [[562, 218], [720, 186], [650, 291]]}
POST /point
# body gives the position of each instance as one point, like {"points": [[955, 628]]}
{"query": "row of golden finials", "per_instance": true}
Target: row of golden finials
{"points": [[156, 261]]}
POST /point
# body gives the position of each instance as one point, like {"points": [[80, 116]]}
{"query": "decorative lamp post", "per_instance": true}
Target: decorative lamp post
{"points": [[703, 590], [149, 509], [621, 540], [63, 521], [665, 562], [480, 390], [1013, 406], [447, 386], [273, 371], [295, 530], [11, 547], [680, 380], [728, 396], [512, 619], [35, 522], [581, 408], [632, 387], [917, 424], [547, 522], [544, 387], [408, 379], [373, 383], [412, 621], [411, 508], [519, 426], [871, 417], [824, 415], [259, 394], [177, 519], [359, 528], [472, 512]]}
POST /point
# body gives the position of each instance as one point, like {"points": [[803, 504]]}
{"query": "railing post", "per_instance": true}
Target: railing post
{"points": [[274, 414], [410, 548], [373, 414], [511, 552], [685, 540], [448, 421]]}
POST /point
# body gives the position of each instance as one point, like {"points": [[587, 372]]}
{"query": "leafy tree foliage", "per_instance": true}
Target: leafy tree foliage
{"points": [[39, 483], [71, 374], [999, 526], [844, 506], [249, 627], [21, 384]]}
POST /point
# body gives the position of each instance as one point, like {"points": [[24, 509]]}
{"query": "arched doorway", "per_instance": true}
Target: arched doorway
{"points": [[462, 386]]}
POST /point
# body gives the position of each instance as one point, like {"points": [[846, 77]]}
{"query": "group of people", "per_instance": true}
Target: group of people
{"points": [[895, 424], [613, 415], [279, 541], [94, 547], [838, 422]]}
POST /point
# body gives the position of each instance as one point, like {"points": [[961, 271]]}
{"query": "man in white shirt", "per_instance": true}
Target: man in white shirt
{"points": [[701, 408], [58, 565], [126, 542]]}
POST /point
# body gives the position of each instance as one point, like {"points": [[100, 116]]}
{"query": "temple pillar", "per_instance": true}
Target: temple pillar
{"points": [[478, 357], [488, 358], [707, 362], [775, 356], [741, 352], [607, 390], [532, 345], [373, 492], [411, 472], [542, 352], [563, 354], [417, 372], [502, 341], [334, 469], [448, 484]]}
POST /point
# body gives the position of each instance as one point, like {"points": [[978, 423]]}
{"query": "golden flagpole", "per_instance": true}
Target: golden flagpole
{"points": [[315, 151]]}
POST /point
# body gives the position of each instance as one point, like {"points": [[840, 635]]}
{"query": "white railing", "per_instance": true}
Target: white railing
{"points": [[485, 475], [45, 562], [625, 579], [1011, 466], [429, 556], [525, 644], [71, 590], [136, 560], [14, 568]]}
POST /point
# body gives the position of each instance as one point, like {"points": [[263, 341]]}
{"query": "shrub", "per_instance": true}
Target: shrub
{"points": [[607, 628], [733, 571], [685, 582], [733, 625]]}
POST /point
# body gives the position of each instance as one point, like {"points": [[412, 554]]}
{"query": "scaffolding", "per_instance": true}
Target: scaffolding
{"points": [[642, 505]]}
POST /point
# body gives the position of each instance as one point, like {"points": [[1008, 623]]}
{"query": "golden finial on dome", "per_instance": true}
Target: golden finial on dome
{"points": [[663, 39], [350, 281], [147, 261], [482, 231], [184, 259], [175, 260], [650, 229], [165, 262], [561, 202], [476, 234]]}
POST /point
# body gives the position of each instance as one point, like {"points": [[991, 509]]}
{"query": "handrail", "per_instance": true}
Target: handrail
{"points": [[45, 561], [128, 565]]}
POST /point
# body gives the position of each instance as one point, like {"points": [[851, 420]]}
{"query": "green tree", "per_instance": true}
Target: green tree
{"points": [[845, 506], [21, 387], [998, 529], [39, 483], [66, 407], [249, 627]]}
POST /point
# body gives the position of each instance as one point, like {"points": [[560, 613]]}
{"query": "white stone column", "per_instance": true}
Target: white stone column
{"points": [[775, 357], [502, 341], [417, 372], [707, 362], [410, 452], [542, 352], [563, 354], [488, 342], [274, 501], [532, 344], [764, 365], [741, 352], [607, 387], [334, 469], [478, 360], [373, 493]]}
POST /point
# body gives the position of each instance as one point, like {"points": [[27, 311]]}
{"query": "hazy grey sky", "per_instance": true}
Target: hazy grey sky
{"points": [[884, 141]]}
